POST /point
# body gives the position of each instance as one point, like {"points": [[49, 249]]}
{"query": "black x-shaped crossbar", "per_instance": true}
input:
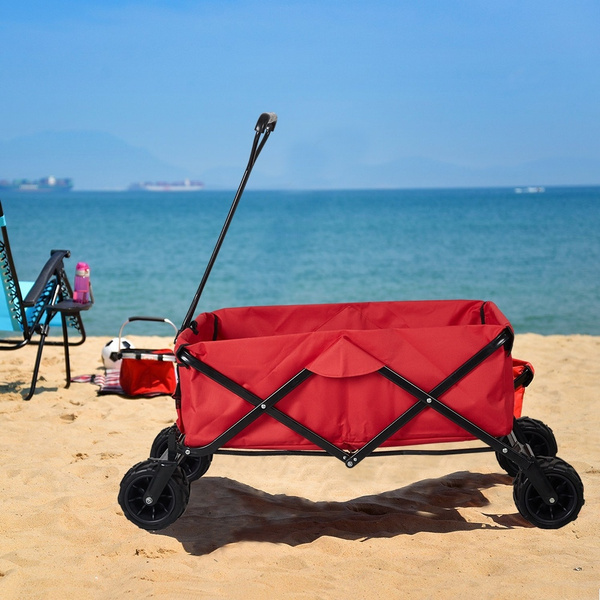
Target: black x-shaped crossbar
{"points": [[267, 406]]}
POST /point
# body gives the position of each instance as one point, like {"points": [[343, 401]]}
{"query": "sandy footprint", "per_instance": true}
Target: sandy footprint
{"points": [[69, 417]]}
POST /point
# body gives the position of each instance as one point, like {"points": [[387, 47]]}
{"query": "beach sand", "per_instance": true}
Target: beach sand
{"points": [[284, 527]]}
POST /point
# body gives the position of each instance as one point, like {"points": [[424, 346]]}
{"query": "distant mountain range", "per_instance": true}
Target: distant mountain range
{"points": [[96, 160]]}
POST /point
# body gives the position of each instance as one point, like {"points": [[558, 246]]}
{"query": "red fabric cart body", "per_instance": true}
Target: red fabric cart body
{"points": [[347, 401]]}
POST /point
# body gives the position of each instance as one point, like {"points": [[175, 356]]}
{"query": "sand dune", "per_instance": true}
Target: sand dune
{"points": [[284, 527]]}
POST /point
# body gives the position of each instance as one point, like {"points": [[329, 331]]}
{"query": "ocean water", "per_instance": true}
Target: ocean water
{"points": [[537, 256]]}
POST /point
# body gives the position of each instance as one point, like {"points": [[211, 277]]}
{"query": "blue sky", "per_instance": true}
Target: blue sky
{"points": [[365, 91]]}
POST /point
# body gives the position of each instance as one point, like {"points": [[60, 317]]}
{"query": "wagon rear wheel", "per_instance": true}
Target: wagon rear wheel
{"points": [[569, 491], [193, 466], [540, 438], [169, 506]]}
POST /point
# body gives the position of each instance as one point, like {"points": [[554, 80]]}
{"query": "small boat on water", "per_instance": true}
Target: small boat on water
{"points": [[162, 186], [532, 189]]}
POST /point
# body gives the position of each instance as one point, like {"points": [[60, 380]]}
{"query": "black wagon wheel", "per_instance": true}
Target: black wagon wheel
{"points": [[193, 466], [540, 438], [569, 491], [166, 510]]}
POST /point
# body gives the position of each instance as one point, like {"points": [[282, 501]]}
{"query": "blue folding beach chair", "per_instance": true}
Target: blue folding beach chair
{"points": [[28, 308]]}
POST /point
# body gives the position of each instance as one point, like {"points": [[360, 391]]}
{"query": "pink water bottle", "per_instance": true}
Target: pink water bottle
{"points": [[81, 293]]}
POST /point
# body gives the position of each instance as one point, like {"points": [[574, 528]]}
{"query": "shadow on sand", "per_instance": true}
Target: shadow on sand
{"points": [[222, 511]]}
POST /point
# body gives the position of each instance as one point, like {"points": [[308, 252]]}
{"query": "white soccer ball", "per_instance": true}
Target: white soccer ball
{"points": [[109, 352]]}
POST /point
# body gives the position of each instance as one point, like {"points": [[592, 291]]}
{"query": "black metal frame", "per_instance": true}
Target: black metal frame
{"points": [[267, 405], [515, 451]]}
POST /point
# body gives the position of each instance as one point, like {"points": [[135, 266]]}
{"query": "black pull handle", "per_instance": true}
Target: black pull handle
{"points": [[264, 126], [266, 122]]}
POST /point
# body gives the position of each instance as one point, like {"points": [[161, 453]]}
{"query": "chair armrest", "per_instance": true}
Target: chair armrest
{"points": [[53, 264], [70, 307]]}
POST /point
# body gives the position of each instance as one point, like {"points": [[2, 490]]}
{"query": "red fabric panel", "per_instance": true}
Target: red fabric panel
{"points": [[260, 321], [344, 359], [347, 402], [518, 368], [140, 377]]}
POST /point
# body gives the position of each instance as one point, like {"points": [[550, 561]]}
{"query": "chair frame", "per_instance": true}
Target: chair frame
{"points": [[50, 295]]}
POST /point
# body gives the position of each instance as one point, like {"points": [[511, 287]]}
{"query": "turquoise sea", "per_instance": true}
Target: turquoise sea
{"points": [[537, 256]]}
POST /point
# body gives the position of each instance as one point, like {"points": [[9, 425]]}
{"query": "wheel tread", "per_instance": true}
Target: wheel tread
{"points": [[172, 502], [567, 484]]}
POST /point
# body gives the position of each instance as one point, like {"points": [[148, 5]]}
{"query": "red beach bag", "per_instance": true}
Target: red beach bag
{"points": [[147, 372]]}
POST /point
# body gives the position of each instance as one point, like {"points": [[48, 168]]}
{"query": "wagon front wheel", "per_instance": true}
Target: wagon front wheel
{"points": [[193, 466], [170, 505], [540, 438], [569, 495]]}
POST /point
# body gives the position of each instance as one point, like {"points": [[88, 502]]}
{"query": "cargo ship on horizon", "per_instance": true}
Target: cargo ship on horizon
{"points": [[163, 186], [45, 184]]}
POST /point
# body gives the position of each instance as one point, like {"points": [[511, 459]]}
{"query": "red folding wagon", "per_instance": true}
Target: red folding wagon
{"points": [[351, 381]]}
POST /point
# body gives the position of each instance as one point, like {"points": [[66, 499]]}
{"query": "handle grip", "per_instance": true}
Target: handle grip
{"points": [[155, 319], [266, 122]]}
